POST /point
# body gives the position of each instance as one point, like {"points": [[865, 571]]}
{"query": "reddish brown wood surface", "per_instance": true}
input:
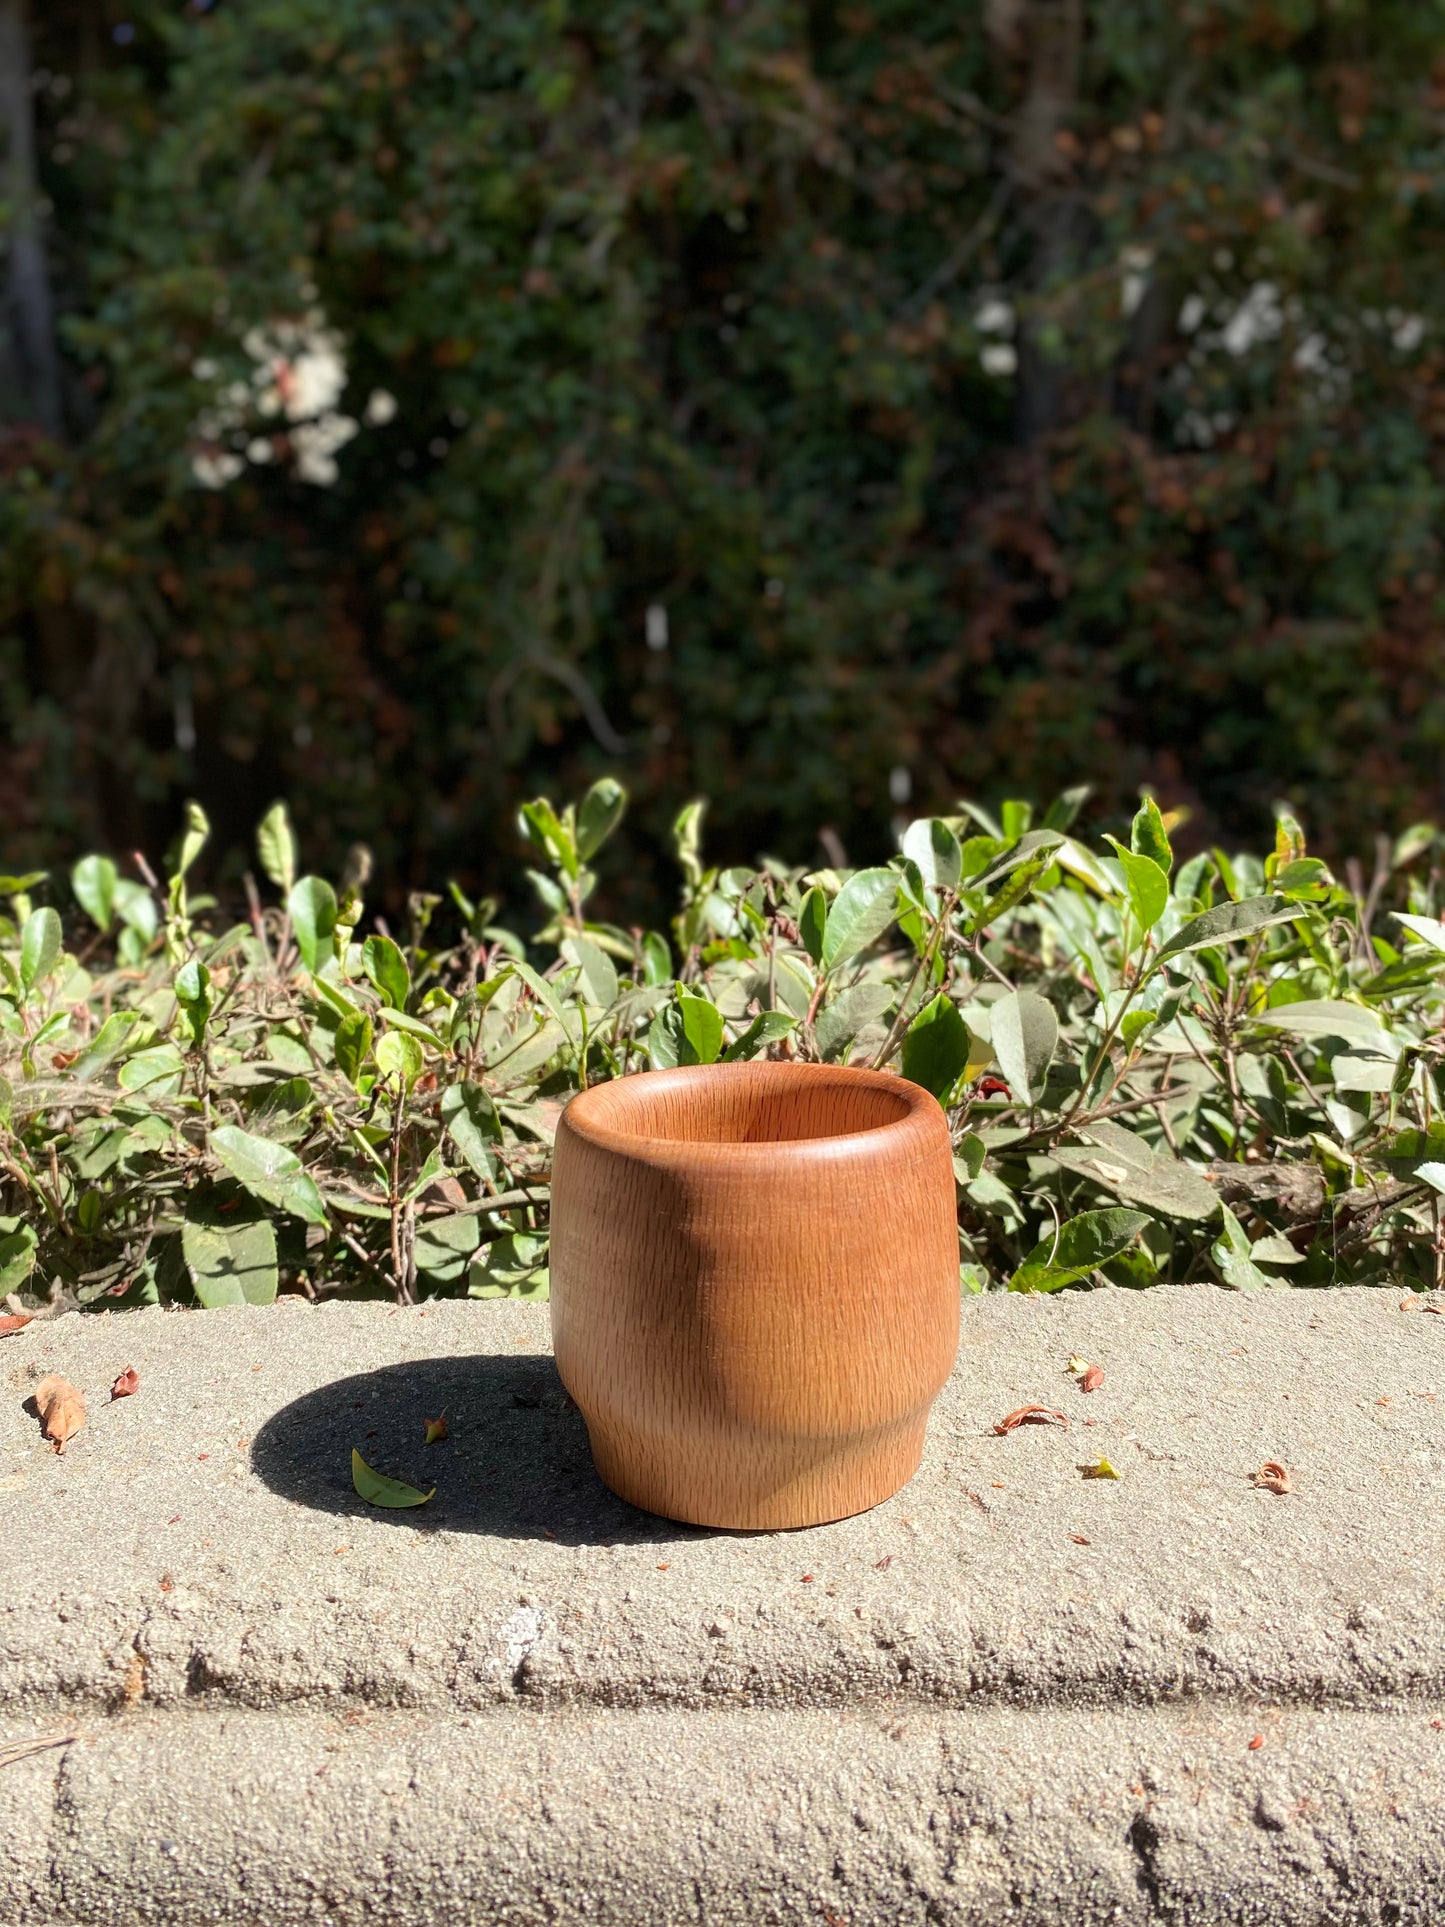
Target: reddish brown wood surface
{"points": [[754, 1286]]}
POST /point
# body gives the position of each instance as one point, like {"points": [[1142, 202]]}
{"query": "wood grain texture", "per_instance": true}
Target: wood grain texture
{"points": [[754, 1286]]}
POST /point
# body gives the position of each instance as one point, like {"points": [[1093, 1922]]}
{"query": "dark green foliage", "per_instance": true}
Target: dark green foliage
{"points": [[697, 319]]}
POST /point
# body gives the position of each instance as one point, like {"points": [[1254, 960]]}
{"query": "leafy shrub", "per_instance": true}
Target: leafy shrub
{"points": [[1224, 1070]]}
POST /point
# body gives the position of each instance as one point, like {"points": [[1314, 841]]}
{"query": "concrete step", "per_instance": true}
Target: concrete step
{"points": [[1038, 1690]]}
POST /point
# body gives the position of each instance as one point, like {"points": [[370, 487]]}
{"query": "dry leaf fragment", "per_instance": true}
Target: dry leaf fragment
{"points": [[1030, 1415], [1077, 1364], [126, 1385], [15, 1321], [882, 1565], [436, 1429], [61, 1409], [1256, 1743], [1273, 1477], [1103, 1470], [1079, 1539], [1092, 1379]]}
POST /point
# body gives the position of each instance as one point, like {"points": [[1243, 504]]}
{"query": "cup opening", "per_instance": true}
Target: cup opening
{"points": [[745, 1104]]}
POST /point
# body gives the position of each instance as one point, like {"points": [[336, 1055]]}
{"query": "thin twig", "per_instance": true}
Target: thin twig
{"points": [[21, 1749]]}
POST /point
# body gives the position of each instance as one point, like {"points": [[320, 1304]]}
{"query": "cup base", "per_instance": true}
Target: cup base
{"points": [[765, 1486]]}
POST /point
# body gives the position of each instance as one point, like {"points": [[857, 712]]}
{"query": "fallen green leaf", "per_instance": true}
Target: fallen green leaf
{"points": [[377, 1489]]}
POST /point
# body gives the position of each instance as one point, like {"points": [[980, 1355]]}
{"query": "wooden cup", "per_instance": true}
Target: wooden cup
{"points": [[754, 1286]]}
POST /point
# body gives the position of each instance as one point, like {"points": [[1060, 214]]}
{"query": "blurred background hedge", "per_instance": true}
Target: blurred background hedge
{"points": [[826, 407]]}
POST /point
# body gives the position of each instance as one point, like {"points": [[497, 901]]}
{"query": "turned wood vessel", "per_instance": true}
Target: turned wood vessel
{"points": [[754, 1286]]}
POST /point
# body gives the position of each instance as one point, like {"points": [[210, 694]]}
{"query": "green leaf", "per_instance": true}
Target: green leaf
{"points": [[384, 964], [1148, 836], [1026, 851], [601, 812], [312, 909], [136, 908], [687, 839], [973, 1150], [1066, 806], [1025, 1035], [840, 1021], [269, 1172], [1227, 923], [656, 959], [471, 1118], [598, 972], [861, 912], [106, 1045], [1014, 888], [18, 886], [18, 1247], [150, 1067], [444, 1246], [413, 1026], [1147, 884], [276, 847], [1429, 929], [93, 880], [761, 1032], [230, 1252], [193, 994], [377, 1489], [190, 843], [511, 1267], [40, 941], [932, 845], [1084, 1243], [399, 1056], [352, 1045], [937, 1046], [546, 831], [1329, 1017], [544, 992], [702, 1024], [1138, 1172], [813, 923]]}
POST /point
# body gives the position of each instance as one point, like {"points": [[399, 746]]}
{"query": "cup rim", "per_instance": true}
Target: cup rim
{"points": [[589, 1114]]}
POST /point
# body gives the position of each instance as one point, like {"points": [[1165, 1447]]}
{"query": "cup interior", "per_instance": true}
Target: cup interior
{"points": [[745, 1104]]}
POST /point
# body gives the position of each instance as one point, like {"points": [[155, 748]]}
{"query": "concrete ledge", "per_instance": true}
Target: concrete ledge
{"points": [[1010, 1693], [749, 1817]]}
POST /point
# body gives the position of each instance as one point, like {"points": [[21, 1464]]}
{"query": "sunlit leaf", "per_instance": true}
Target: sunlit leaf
{"points": [[860, 913], [312, 909], [276, 847], [269, 1172]]}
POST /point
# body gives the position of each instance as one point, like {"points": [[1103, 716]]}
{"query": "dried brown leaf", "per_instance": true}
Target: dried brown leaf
{"points": [[1092, 1379], [1273, 1477], [61, 1409], [15, 1321], [126, 1385], [1030, 1415]]}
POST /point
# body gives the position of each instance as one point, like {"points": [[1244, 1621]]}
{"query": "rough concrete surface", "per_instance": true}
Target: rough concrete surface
{"points": [[1011, 1693]]}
